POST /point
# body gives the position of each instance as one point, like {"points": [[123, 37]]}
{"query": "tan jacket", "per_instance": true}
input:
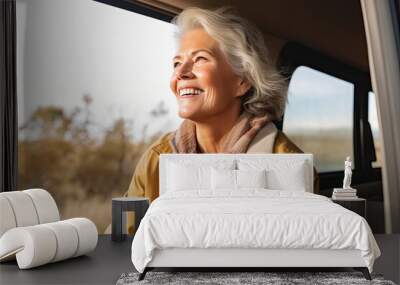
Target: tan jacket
{"points": [[146, 177]]}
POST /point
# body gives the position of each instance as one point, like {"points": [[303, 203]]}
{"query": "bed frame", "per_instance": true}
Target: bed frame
{"points": [[242, 258], [256, 258]]}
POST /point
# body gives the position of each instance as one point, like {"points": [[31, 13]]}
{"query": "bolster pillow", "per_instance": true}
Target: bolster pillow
{"points": [[40, 244]]}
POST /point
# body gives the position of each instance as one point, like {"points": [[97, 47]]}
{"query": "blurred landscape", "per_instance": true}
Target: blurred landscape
{"points": [[330, 147], [57, 152]]}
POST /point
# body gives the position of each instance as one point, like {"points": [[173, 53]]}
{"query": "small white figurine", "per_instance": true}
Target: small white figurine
{"points": [[347, 174]]}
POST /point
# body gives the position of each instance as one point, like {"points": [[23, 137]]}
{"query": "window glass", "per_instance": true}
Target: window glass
{"points": [[373, 121], [319, 117], [93, 93]]}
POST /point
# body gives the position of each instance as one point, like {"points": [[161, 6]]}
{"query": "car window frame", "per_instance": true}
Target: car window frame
{"points": [[294, 55], [140, 8]]}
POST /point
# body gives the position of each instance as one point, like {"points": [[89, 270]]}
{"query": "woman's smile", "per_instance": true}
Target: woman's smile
{"points": [[190, 92]]}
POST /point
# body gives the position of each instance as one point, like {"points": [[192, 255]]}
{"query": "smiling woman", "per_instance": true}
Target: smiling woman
{"points": [[228, 94]]}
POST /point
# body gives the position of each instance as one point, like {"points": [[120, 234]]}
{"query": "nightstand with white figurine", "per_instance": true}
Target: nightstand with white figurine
{"points": [[347, 196]]}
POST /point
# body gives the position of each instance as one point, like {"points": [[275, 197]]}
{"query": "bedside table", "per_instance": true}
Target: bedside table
{"points": [[139, 205], [357, 205]]}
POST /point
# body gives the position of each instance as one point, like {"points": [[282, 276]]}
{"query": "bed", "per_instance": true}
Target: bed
{"points": [[247, 210]]}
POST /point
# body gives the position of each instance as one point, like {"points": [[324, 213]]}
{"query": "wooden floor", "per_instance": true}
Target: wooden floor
{"points": [[110, 260]]}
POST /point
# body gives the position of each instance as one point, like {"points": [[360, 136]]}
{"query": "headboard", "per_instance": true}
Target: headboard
{"points": [[210, 159]]}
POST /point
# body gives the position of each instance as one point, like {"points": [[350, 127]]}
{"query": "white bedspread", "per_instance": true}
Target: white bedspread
{"points": [[250, 219]]}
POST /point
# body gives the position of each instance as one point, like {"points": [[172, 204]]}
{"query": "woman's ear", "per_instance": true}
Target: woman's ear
{"points": [[244, 86]]}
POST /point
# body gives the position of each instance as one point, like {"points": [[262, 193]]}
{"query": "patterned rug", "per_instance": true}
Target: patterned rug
{"points": [[242, 278]]}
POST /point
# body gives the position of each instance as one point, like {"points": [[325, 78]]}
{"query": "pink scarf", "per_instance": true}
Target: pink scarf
{"points": [[236, 141]]}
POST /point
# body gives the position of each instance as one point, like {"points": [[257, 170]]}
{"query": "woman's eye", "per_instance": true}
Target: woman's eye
{"points": [[196, 59], [201, 57]]}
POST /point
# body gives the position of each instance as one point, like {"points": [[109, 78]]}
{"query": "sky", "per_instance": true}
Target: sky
{"points": [[123, 60], [318, 101]]}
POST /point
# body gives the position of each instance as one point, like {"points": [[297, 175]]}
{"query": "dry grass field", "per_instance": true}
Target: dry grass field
{"points": [[330, 148], [58, 153]]}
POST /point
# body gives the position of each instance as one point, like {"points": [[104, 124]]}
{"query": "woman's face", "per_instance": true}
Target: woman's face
{"points": [[203, 82]]}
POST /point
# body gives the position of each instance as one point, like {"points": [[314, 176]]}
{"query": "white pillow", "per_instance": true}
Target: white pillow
{"points": [[193, 175], [295, 179], [183, 177], [251, 178], [289, 174], [223, 179], [227, 179]]}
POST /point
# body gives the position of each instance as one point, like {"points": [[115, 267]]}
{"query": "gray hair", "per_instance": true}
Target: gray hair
{"points": [[244, 47]]}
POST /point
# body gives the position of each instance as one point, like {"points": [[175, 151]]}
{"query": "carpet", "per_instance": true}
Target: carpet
{"points": [[231, 278]]}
